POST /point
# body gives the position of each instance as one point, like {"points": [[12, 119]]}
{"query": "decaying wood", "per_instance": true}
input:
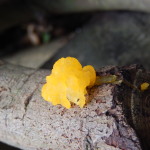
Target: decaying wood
{"points": [[29, 122]]}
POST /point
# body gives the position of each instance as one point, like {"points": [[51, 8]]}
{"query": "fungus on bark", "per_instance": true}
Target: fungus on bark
{"points": [[68, 83]]}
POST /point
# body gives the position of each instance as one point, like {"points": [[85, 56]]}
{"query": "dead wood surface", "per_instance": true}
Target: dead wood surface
{"points": [[28, 122]]}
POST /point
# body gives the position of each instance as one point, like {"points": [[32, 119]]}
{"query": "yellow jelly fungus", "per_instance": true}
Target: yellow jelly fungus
{"points": [[68, 83], [106, 79], [144, 86]]}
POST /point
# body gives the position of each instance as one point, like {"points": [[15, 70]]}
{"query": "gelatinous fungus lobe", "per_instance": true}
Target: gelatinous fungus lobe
{"points": [[68, 83]]}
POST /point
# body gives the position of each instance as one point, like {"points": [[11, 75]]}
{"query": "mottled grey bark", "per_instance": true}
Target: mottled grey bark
{"points": [[111, 38], [29, 122]]}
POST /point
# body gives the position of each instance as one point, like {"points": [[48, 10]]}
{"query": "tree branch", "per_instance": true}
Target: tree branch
{"points": [[29, 122]]}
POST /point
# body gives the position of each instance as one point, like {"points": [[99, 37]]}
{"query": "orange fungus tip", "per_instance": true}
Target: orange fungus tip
{"points": [[68, 83]]}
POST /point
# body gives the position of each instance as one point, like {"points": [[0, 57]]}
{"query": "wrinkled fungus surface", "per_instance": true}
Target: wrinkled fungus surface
{"points": [[68, 83]]}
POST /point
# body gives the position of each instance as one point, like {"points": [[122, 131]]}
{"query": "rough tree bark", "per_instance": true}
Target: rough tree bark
{"points": [[106, 123]]}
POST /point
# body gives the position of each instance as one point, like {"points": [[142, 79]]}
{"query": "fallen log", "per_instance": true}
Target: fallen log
{"points": [[67, 6], [24, 11], [115, 119]]}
